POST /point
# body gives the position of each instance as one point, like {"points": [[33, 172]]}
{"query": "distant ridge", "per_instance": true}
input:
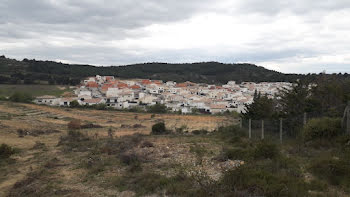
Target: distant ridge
{"points": [[33, 72]]}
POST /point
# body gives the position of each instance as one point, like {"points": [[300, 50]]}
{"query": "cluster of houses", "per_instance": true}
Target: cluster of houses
{"points": [[179, 97]]}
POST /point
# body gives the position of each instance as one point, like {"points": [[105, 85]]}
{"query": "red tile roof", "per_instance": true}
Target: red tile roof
{"points": [[122, 85], [146, 82], [181, 85], [135, 87], [92, 84]]}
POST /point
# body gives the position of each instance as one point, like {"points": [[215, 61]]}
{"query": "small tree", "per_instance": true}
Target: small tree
{"points": [[322, 128], [21, 97], [6, 151], [158, 128], [157, 108], [261, 108], [74, 104]]}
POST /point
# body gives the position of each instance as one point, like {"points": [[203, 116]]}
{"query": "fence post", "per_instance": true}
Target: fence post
{"points": [[281, 129], [305, 118], [241, 123], [262, 130], [250, 128], [348, 119]]}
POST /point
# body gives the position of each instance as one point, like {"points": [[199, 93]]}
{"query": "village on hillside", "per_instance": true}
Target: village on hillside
{"points": [[179, 97]]}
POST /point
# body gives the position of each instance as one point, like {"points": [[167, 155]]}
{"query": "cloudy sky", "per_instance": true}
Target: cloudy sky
{"points": [[289, 36]]}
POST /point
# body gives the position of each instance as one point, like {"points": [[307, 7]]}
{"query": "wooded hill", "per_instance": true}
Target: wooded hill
{"points": [[48, 72]]}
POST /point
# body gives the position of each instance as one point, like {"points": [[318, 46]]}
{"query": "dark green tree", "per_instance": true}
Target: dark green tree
{"points": [[261, 108], [293, 102], [74, 104], [157, 108]]}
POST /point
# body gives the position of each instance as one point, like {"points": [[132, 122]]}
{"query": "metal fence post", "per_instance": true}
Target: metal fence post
{"points": [[250, 128], [262, 130], [281, 129], [305, 118]]}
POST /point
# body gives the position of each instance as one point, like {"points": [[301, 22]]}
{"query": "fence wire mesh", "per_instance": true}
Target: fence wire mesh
{"points": [[278, 129]]}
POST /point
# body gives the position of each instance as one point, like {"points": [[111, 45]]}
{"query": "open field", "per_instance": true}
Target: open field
{"points": [[34, 90], [33, 118], [51, 160]]}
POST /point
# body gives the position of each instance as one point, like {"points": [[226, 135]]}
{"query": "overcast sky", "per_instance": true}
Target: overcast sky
{"points": [[298, 36]]}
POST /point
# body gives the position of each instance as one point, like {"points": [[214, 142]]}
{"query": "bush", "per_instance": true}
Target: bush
{"points": [[132, 160], [159, 128], [100, 106], [157, 108], [21, 97], [3, 98], [322, 128], [335, 171], [6, 151], [231, 133], [147, 144], [199, 132], [74, 124], [266, 150], [74, 104], [236, 153], [259, 182]]}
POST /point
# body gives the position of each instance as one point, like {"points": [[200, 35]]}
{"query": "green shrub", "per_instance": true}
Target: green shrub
{"points": [[100, 106], [157, 108], [318, 185], [231, 133], [21, 97], [74, 104], [3, 98], [200, 132], [335, 171], [236, 153], [322, 128], [159, 128], [6, 151], [144, 183], [266, 150], [259, 182]]}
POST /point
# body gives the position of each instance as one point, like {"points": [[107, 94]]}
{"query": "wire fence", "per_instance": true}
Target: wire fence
{"points": [[285, 128]]}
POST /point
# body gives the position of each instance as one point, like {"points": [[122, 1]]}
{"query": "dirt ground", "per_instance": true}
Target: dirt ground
{"points": [[34, 118], [29, 116]]}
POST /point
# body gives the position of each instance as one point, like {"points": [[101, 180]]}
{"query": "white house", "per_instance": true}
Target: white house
{"points": [[112, 92], [67, 101], [47, 100], [94, 101]]}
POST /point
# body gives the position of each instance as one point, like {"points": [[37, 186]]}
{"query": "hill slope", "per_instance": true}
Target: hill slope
{"points": [[32, 71]]}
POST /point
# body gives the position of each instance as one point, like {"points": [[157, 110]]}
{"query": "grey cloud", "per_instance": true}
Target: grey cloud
{"points": [[273, 7], [90, 24], [121, 13], [107, 18]]}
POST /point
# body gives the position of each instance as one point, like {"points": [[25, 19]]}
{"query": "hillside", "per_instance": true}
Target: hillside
{"points": [[49, 72], [108, 153]]}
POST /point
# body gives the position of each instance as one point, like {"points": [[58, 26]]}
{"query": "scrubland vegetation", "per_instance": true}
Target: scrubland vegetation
{"points": [[50, 151], [222, 162]]}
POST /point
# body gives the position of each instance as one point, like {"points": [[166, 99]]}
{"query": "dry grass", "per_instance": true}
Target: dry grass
{"points": [[35, 117]]}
